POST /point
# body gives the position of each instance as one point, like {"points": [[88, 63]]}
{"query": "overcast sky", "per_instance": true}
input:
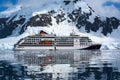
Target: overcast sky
{"points": [[102, 7]]}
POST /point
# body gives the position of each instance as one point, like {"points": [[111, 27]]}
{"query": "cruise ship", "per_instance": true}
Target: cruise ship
{"points": [[46, 41]]}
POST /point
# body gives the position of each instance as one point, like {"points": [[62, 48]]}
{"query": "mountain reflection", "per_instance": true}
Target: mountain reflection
{"points": [[65, 65]]}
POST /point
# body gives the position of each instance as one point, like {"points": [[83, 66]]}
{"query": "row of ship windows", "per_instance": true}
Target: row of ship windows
{"points": [[48, 43], [40, 41], [58, 39], [44, 40], [50, 38], [55, 42]]}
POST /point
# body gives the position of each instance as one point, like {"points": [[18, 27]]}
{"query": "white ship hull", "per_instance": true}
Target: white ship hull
{"points": [[97, 46], [52, 42]]}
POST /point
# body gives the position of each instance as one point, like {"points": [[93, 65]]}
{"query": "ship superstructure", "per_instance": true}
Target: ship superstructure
{"points": [[51, 41]]}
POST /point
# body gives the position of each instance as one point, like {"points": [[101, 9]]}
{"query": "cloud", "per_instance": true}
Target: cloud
{"points": [[36, 3], [6, 4], [118, 1], [100, 9], [97, 5], [30, 6]]}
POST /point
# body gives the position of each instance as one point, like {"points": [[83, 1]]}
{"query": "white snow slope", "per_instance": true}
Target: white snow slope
{"points": [[64, 28]]}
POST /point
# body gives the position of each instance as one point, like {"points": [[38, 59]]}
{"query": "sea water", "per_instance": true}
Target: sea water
{"points": [[60, 65]]}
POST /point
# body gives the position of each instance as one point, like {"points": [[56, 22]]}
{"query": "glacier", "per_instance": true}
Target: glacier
{"points": [[62, 29], [111, 41]]}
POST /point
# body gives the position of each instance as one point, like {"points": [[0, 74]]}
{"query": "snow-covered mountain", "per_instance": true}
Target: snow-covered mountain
{"points": [[60, 17]]}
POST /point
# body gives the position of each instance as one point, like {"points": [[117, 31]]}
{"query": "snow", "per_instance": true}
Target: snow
{"points": [[115, 34], [9, 42], [36, 7], [62, 29], [92, 17], [11, 11], [111, 42], [83, 6], [31, 8], [39, 12]]}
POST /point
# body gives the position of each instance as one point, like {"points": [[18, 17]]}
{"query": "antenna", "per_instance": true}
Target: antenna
{"points": [[73, 31], [52, 31]]}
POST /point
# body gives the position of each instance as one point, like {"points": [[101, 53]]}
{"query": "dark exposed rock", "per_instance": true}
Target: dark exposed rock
{"points": [[96, 24], [107, 26], [51, 12], [77, 16], [11, 19], [88, 26], [8, 25], [75, 1], [115, 22], [2, 22], [24, 27], [60, 17], [21, 21], [82, 20], [40, 20], [66, 2]]}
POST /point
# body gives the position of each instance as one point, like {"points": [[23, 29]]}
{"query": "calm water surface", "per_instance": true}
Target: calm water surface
{"points": [[60, 65]]}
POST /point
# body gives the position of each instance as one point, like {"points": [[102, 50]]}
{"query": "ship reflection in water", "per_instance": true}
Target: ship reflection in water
{"points": [[60, 65]]}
